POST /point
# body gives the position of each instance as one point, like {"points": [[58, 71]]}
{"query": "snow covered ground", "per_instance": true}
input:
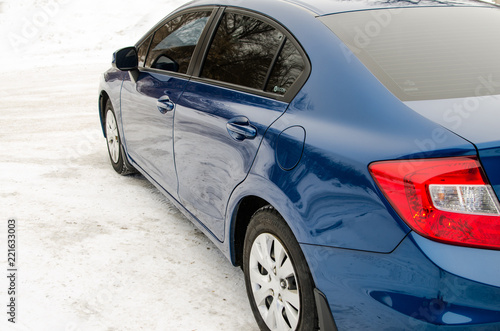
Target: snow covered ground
{"points": [[95, 251]]}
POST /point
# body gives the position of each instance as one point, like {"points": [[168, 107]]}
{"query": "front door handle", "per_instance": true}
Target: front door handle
{"points": [[239, 128], [164, 104]]}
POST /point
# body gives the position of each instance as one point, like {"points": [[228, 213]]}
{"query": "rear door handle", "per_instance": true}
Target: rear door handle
{"points": [[164, 104], [239, 128]]}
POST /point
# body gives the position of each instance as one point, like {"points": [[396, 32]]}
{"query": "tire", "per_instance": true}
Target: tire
{"points": [[278, 281], [115, 148]]}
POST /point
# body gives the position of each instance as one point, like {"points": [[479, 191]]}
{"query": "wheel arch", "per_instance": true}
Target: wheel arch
{"points": [[256, 192], [243, 213], [103, 99]]}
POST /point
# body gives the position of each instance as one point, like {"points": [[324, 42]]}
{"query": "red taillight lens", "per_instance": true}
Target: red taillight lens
{"points": [[447, 200]]}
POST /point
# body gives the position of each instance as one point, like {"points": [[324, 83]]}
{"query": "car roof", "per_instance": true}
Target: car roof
{"points": [[326, 7]]}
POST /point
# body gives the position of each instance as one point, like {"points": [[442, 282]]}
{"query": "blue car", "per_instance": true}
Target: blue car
{"points": [[345, 154]]}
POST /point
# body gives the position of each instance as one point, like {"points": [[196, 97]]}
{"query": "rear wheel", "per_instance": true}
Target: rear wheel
{"points": [[115, 148], [278, 281]]}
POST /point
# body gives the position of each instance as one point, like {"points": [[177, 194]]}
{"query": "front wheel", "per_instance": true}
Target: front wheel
{"points": [[278, 281], [115, 149]]}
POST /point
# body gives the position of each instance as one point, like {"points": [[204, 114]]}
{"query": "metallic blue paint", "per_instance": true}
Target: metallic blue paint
{"points": [[290, 147], [463, 261], [110, 86], [490, 159], [210, 162], [471, 118], [309, 159], [147, 132], [403, 290]]}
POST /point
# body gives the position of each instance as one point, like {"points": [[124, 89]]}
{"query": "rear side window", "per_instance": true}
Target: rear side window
{"points": [[287, 68], [173, 44], [243, 51]]}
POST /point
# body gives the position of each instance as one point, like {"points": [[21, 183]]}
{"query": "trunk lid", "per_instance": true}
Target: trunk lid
{"points": [[476, 119]]}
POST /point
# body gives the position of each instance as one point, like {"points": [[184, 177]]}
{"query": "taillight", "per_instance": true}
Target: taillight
{"points": [[448, 199]]}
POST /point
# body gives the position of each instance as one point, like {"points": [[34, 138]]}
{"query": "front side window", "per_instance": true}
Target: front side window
{"points": [[242, 51], [142, 51], [173, 44]]}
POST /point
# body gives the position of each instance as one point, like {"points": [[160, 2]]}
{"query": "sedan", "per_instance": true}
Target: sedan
{"points": [[344, 154]]}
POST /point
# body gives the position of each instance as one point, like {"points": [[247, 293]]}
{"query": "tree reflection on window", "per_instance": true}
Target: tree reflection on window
{"points": [[286, 70], [242, 51]]}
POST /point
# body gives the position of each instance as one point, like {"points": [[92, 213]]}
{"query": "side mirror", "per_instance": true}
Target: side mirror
{"points": [[165, 63], [125, 59]]}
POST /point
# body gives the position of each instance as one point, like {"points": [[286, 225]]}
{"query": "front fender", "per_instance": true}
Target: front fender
{"points": [[110, 85]]}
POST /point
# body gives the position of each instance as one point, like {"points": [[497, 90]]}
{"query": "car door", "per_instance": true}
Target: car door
{"points": [[148, 100], [238, 92]]}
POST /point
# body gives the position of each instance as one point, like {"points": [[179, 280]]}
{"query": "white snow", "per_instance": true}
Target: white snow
{"points": [[95, 250]]}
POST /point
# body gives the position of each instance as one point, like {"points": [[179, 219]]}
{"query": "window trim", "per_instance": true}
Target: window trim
{"points": [[201, 51], [139, 45], [205, 47], [273, 63], [194, 58]]}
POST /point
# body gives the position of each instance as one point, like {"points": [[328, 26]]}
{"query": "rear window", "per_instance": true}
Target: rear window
{"points": [[426, 53]]}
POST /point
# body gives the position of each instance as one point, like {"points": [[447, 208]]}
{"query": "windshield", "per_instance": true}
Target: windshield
{"points": [[426, 53]]}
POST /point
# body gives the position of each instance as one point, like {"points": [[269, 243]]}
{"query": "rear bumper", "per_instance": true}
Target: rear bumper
{"points": [[403, 290]]}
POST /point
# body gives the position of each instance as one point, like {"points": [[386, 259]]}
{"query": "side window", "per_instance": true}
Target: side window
{"points": [[242, 51], [286, 70], [142, 51], [174, 43]]}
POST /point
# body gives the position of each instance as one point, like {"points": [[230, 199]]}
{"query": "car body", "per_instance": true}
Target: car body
{"points": [[369, 128]]}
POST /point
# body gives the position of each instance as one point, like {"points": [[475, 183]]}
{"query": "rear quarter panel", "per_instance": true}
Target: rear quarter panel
{"points": [[350, 120]]}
